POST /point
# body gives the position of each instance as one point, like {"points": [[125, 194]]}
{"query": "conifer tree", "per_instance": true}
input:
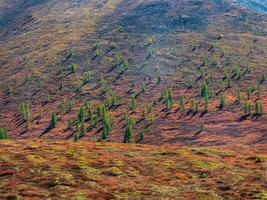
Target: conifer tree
{"points": [[94, 120], [236, 72], [141, 135], [163, 94], [246, 108], [202, 73], [53, 121], [117, 59], [169, 98], [144, 111], [226, 75], [81, 115], [70, 106], [108, 101], [222, 102], [211, 93], [25, 113], [238, 96], [101, 80], [86, 106], [99, 111], [143, 87], [76, 137], [106, 124], [87, 77], [62, 105], [204, 91], [97, 52], [181, 101], [73, 68], [263, 78], [106, 87], [222, 85], [125, 66], [133, 105], [239, 75], [192, 104], [258, 108], [208, 80], [69, 124], [190, 83], [61, 85], [151, 119], [4, 134], [248, 70], [113, 100], [158, 80], [129, 130], [90, 114], [196, 107], [82, 129]]}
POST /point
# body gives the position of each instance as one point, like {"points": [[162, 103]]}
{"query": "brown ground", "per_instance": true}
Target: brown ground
{"points": [[68, 170], [32, 53]]}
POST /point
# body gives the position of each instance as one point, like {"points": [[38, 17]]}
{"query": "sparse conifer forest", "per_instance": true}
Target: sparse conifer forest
{"points": [[116, 99]]}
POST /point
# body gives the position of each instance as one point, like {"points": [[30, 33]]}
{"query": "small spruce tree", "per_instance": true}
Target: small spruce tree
{"points": [[73, 68], [196, 107], [238, 96], [246, 108], [81, 115], [76, 137], [82, 129], [130, 123], [169, 99], [258, 108], [141, 135], [106, 124], [222, 101], [143, 87], [4, 134], [53, 121], [263, 78], [133, 105]]}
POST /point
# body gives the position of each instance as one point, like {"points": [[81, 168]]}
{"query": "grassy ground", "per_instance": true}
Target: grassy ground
{"points": [[69, 170], [34, 73]]}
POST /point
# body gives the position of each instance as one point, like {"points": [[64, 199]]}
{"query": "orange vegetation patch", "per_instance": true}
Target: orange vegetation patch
{"points": [[69, 170]]}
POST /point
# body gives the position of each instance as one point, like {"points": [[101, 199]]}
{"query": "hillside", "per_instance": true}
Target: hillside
{"points": [[65, 56], [255, 5], [68, 170], [181, 82]]}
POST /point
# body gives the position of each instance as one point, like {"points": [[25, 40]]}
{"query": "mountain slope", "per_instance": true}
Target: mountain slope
{"points": [[256, 5]]}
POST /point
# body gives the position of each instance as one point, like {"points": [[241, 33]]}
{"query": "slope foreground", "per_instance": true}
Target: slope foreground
{"points": [[63, 56], [68, 170]]}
